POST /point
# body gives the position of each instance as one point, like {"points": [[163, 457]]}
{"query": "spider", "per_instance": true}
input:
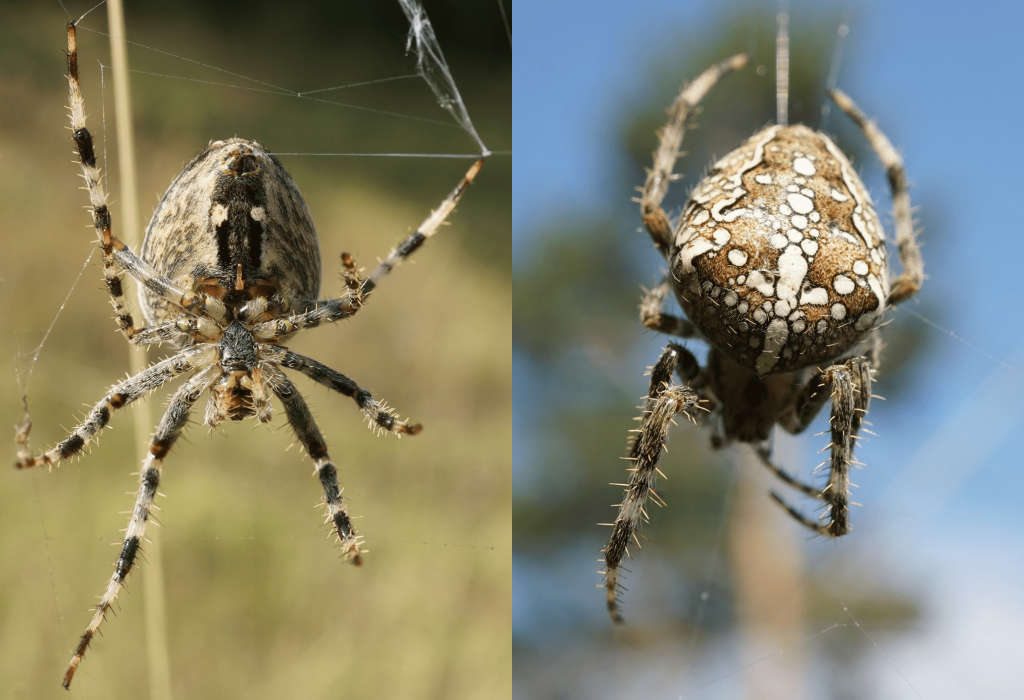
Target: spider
{"points": [[779, 262], [230, 269]]}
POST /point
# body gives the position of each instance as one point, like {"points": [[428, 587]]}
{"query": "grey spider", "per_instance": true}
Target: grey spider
{"points": [[779, 262], [230, 269]]}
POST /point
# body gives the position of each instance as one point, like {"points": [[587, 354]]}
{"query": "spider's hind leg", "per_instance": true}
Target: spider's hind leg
{"points": [[167, 433], [664, 401], [427, 229], [851, 396]]}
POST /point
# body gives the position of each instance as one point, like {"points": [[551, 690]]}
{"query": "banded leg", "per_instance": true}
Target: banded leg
{"points": [[198, 329], [350, 275], [663, 403], [328, 311], [380, 416], [427, 229], [171, 425], [116, 255], [309, 435], [907, 284], [851, 397], [119, 396], [669, 140]]}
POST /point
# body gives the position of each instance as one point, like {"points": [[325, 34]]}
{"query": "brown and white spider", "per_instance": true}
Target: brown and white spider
{"points": [[779, 261], [230, 269]]}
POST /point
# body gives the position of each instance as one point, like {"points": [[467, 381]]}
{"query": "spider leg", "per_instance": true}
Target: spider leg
{"points": [[652, 317], [664, 401], [670, 138], [804, 404], [326, 311], [808, 490], [119, 396], [309, 435], [314, 313], [198, 329], [258, 310], [427, 229], [851, 397], [116, 255], [380, 417], [907, 284], [171, 425]]}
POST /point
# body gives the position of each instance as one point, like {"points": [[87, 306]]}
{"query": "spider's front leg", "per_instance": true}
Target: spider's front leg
{"points": [[664, 401], [907, 284], [116, 255], [167, 433], [314, 313], [660, 176], [427, 229], [850, 385]]}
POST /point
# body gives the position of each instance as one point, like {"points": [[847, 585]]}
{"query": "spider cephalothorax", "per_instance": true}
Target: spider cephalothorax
{"points": [[779, 261], [230, 269]]}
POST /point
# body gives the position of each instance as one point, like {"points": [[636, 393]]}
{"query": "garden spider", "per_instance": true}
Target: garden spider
{"points": [[230, 269], [779, 262]]}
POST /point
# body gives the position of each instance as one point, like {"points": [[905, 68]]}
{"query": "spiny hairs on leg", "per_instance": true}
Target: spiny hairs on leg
{"points": [[167, 433], [427, 229], [380, 417], [664, 401], [116, 255], [910, 281], [309, 435], [119, 396], [670, 138], [851, 396]]}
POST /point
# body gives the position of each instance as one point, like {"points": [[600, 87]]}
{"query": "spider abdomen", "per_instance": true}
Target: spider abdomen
{"points": [[779, 256], [233, 205]]}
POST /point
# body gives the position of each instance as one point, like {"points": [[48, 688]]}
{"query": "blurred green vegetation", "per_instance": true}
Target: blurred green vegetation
{"points": [[579, 353], [258, 602]]}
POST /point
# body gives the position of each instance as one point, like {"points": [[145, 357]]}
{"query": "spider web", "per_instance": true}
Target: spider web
{"points": [[925, 545], [420, 121]]}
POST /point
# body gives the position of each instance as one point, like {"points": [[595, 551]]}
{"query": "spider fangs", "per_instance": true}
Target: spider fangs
{"points": [[779, 261]]}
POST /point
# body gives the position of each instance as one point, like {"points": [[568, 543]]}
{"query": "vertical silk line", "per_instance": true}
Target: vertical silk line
{"points": [[782, 64], [833, 73], [152, 575]]}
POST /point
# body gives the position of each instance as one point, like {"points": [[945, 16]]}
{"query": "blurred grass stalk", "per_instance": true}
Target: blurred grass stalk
{"points": [[767, 562], [153, 574]]}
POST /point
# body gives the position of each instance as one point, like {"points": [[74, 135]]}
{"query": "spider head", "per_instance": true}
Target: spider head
{"points": [[239, 393]]}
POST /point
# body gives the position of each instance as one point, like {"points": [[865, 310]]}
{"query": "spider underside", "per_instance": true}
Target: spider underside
{"points": [[779, 262], [230, 269]]}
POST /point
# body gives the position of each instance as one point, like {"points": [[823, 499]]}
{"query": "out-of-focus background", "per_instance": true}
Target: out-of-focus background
{"points": [[259, 603], [729, 598]]}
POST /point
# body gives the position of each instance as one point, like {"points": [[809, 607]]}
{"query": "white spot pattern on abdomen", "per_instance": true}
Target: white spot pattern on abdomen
{"points": [[779, 254]]}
